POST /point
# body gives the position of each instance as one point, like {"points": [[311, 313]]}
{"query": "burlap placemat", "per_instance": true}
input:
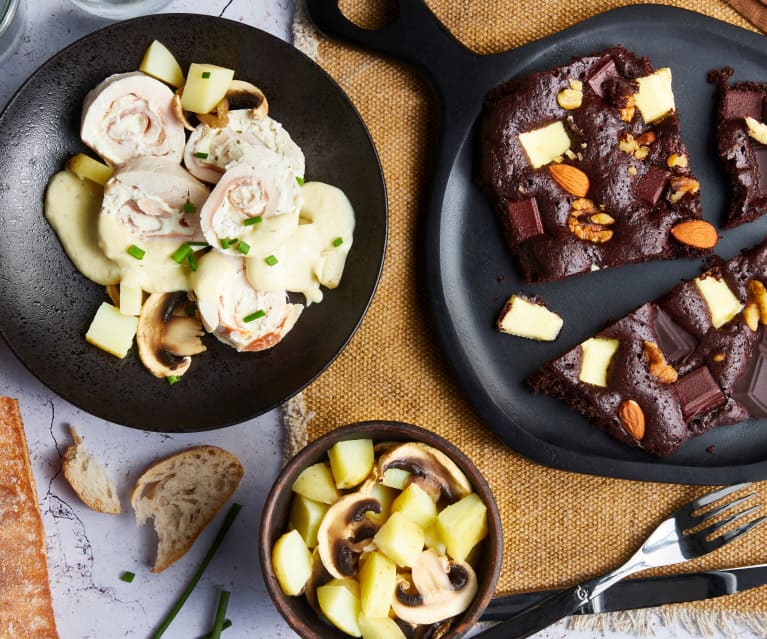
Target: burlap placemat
{"points": [[558, 527]]}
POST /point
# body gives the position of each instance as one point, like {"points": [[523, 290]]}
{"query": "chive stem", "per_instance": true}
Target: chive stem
{"points": [[173, 379], [128, 576], [136, 252], [228, 521], [223, 602], [243, 247], [181, 253], [254, 316], [253, 220], [227, 624]]}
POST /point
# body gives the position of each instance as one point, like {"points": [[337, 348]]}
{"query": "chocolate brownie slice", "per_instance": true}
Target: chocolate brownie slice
{"points": [[676, 367], [586, 168], [740, 125]]}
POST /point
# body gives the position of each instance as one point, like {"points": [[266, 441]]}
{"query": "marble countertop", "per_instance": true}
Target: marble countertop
{"points": [[88, 551]]}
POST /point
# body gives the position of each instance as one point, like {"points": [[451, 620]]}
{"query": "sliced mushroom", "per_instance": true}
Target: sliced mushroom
{"points": [[219, 119], [179, 110], [318, 577], [345, 531], [432, 470], [443, 589], [167, 337], [246, 95]]}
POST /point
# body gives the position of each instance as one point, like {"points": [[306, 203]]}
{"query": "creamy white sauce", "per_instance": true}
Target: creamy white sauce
{"points": [[156, 272], [72, 208], [315, 253]]}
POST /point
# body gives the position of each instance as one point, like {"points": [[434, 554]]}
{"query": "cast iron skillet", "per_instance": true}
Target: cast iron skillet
{"points": [[469, 274], [46, 306]]}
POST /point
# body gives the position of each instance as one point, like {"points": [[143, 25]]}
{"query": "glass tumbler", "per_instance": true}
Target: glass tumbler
{"points": [[120, 9], [11, 26]]}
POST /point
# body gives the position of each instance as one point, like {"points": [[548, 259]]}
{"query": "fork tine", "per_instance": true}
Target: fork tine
{"points": [[716, 495], [718, 525], [724, 538], [725, 507]]}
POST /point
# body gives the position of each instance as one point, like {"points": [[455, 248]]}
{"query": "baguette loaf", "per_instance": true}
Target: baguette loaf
{"points": [[88, 478], [26, 609], [182, 494]]}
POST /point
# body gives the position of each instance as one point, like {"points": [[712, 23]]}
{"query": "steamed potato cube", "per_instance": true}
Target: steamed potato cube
{"points": [[432, 539], [414, 502], [400, 539], [292, 563], [160, 63], [206, 86], [378, 580], [111, 331], [131, 299], [385, 495], [339, 604], [316, 482], [396, 478], [379, 628], [351, 461], [86, 168], [305, 516], [463, 525]]}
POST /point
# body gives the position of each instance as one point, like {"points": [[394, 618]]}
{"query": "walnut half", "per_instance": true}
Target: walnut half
{"points": [[587, 222]]}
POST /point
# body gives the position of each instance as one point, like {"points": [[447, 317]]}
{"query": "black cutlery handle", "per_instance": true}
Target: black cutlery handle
{"points": [[538, 616]]}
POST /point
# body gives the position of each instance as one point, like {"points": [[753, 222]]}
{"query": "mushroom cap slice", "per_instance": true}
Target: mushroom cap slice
{"points": [[345, 531], [167, 339], [432, 470], [444, 588]]}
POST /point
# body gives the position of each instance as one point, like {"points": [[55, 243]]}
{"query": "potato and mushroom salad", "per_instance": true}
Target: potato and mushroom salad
{"points": [[211, 231], [382, 539]]}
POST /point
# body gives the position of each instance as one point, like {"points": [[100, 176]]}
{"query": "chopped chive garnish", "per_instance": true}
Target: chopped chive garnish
{"points": [[243, 247], [271, 260], [253, 220], [230, 517], [190, 310], [227, 624], [254, 316], [172, 379], [127, 576], [205, 75], [189, 207], [300, 181], [224, 243], [192, 262], [201, 155], [338, 241], [181, 253], [135, 251], [218, 622]]}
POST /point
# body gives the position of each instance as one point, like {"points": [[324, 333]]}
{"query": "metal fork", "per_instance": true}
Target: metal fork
{"points": [[672, 542]]}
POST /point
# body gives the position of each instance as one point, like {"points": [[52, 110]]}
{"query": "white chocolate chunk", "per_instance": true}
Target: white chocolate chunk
{"points": [[721, 301], [655, 98], [597, 353], [544, 144], [757, 130], [527, 319]]}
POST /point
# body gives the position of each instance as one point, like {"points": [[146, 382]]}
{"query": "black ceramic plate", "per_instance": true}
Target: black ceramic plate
{"points": [[46, 305], [469, 274]]}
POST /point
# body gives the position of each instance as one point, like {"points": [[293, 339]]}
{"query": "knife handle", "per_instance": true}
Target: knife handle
{"points": [[541, 615]]}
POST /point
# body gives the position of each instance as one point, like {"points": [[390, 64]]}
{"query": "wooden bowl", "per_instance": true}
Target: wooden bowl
{"points": [[274, 522]]}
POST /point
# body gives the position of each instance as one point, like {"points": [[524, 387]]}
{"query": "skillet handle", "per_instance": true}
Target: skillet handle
{"points": [[416, 37]]}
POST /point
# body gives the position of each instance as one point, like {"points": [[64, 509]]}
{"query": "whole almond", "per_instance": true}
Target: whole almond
{"points": [[696, 233], [632, 418], [570, 178]]}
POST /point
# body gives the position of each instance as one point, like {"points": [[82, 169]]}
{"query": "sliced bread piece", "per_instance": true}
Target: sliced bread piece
{"points": [[88, 478], [182, 494]]}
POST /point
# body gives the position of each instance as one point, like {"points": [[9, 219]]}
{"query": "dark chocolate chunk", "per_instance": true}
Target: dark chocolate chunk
{"points": [[761, 164], [675, 342], [739, 104], [698, 392], [524, 219], [604, 72], [751, 389], [650, 186]]}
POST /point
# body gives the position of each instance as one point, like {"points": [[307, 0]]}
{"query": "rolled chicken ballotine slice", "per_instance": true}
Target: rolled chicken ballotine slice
{"points": [[237, 314], [130, 115], [210, 151]]}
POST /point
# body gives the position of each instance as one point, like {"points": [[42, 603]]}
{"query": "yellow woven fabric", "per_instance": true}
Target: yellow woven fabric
{"points": [[558, 526]]}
